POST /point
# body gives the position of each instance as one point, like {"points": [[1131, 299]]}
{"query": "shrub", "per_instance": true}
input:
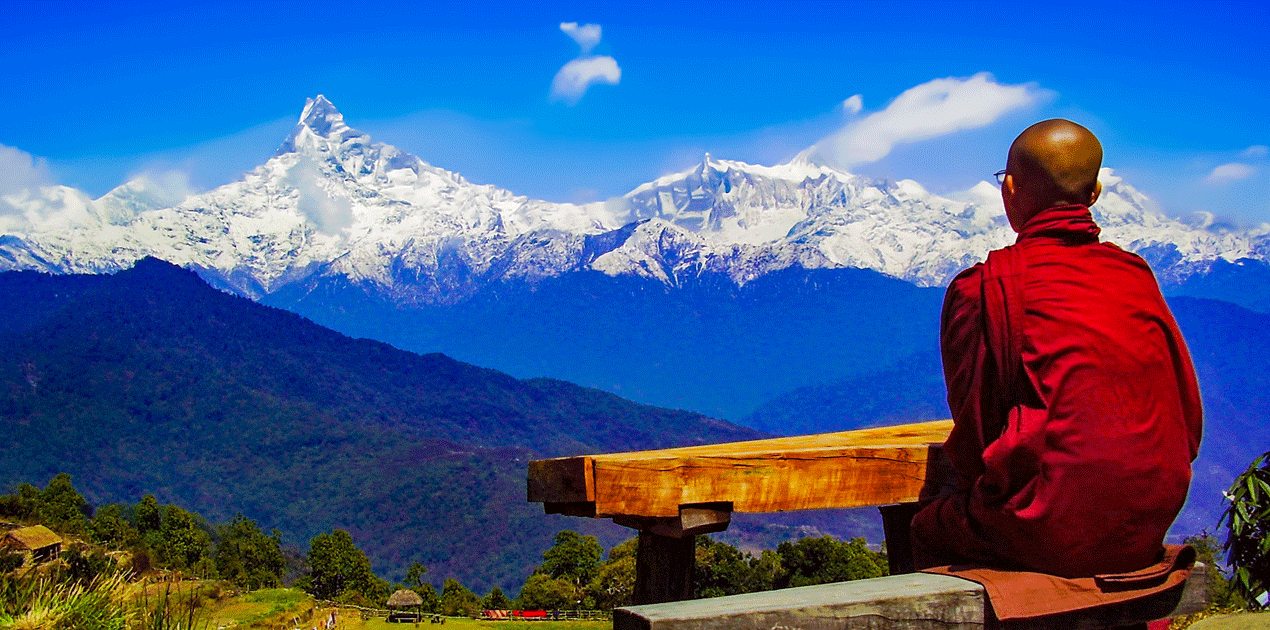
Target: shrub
{"points": [[1248, 521]]}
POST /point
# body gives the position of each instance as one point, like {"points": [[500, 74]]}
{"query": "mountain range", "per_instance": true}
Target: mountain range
{"points": [[795, 297], [334, 206]]}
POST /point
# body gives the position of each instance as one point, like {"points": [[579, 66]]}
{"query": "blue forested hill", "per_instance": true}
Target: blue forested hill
{"points": [[149, 381], [1228, 346], [704, 344]]}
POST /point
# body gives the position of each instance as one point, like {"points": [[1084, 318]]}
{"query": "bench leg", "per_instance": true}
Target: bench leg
{"points": [[664, 568], [899, 546]]}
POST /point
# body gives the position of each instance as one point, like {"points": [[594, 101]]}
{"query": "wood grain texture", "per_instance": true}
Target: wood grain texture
{"points": [[866, 467], [664, 568], [561, 480]]}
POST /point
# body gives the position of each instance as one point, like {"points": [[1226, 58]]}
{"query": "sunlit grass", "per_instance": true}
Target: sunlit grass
{"points": [[40, 602], [463, 623]]}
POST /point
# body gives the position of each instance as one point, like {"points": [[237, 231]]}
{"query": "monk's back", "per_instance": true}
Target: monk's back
{"points": [[1100, 457]]}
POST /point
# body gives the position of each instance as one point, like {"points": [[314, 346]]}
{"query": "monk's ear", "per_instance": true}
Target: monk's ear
{"points": [[1010, 198], [1093, 198], [1007, 188]]}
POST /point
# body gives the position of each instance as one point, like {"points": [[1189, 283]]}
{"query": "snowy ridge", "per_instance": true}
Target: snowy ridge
{"points": [[332, 203]]}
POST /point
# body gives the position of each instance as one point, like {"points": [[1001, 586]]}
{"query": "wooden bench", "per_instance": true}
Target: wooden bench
{"points": [[670, 496]]}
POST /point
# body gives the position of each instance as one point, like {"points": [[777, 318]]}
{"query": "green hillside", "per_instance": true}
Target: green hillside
{"points": [[149, 381]]}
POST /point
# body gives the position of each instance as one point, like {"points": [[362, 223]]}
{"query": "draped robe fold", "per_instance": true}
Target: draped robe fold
{"points": [[1077, 412]]}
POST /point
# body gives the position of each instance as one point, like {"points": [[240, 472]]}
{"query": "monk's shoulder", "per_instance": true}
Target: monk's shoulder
{"points": [[1125, 259], [962, 296], [967, 283]]}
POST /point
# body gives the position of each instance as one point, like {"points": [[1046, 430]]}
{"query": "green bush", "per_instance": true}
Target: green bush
{"points": [[10, 561], [1248, 521]]}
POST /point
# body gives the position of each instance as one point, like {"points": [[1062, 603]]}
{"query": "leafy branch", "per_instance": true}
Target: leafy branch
{"points": [[1248, 542]]}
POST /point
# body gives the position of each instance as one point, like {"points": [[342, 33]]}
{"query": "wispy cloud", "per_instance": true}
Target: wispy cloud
{"points": [[162, 187], [853, 105], [20, 170], [576, 77], [330, 212], [586, 35], [1256, 151], [929, 110], [1227, 173]]}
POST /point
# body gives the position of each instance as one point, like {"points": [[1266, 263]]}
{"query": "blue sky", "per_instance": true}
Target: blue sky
{"points": [[1179, 93]]}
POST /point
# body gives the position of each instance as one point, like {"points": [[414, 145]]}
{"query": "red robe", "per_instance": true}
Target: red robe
{"points": [[1076, 409]]}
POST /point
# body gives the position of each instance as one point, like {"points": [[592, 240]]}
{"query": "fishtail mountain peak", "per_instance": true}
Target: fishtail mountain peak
{"points": [[333, 204]]}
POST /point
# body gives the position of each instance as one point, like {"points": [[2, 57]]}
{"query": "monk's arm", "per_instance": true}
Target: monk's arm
{"points": [[1188, 384], [965, 355]]}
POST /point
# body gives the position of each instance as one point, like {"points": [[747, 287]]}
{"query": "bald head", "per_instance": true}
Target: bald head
{"points": [[1052, 163]]}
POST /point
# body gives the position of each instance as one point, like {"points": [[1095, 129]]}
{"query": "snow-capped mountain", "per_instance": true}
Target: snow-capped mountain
{"points": [[332, 203]]}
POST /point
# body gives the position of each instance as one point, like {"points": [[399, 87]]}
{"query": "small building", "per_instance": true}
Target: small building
{"points": [[400, 602], [37, 541]]}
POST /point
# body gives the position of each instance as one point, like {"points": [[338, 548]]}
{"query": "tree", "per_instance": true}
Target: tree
{"points": [[338, 568], [414, 575], [721, 569], [62, 507], [182, 543], [496, 600], [573, 557], [826, 559], [543, 592], [1209, 552], [23, 505], [110, 529], [456, 599], [248, 557], [1247, 520], [148, 516], [431, 601], [614, 584]]}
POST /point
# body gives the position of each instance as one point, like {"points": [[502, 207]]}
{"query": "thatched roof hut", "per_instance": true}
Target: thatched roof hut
{"points": [[37, 540], [31, 538], [404, 598]]}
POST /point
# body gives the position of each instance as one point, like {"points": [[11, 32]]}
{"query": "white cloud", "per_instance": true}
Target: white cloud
{"points": [[1227, 173], [853, 105], [587, 35], [573, 80], [330, 213], [20, 175], [1256, 151], [20, 171], [932, 109], [159, 187], [577, 76]]}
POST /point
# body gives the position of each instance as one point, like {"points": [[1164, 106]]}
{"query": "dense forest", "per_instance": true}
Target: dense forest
{"points": [[573, 572], [151, 382]]}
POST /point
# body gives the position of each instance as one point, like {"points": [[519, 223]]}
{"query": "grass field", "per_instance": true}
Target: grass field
{"points": [[275, 609], [264, 608], [458, 623]]}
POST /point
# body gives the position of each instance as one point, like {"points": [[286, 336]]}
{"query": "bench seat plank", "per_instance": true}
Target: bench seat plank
{"points": [[859, 468]]}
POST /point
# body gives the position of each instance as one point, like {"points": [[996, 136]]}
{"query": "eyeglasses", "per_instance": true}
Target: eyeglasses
{"points": [[1000, 175]]}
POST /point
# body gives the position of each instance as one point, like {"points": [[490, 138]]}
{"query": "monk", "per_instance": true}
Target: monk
{"points": [[1077, 413]]}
